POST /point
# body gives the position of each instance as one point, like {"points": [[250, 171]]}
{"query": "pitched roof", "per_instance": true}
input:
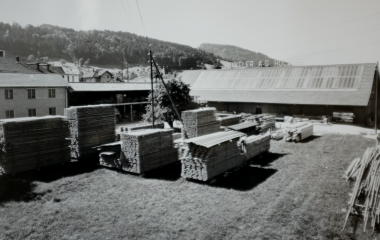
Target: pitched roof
{"points": [[109, 87], [190, 76], [31, 80], [8, 65], [348, 84], [96, 73], [43, 68]]}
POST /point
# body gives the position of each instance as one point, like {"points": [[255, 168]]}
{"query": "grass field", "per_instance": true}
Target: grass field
{"points": [[294, 192]]}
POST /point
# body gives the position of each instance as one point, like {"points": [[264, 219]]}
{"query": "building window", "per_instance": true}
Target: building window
{"points": [[9, 114], [98, 80], [108, 76], [32, 112], [51, 93], [8, 93], [72, 78], [52, 111], [31, 93], [68, 79]]}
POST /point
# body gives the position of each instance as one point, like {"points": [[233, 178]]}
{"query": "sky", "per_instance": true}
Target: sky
{"points": [[302, 32]]}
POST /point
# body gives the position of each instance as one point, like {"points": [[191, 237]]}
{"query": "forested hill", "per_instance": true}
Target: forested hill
{"points": [[101, 47], [229, 52]]}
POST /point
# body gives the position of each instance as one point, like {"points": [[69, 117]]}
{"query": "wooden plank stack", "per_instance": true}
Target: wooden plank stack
{"points": [[141, 126], [202, 163], [142, 151], [278, 135], [266, 122], [255, 145], [90, 126], [199, 122], [365, 198], [229, 120], [34, 142], [298, 131]]}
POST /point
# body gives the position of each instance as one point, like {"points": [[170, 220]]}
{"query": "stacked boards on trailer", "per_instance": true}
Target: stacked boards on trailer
{"points": [[145, 150], [211, 155], [90, 126], [33, 142], [199, 122]]}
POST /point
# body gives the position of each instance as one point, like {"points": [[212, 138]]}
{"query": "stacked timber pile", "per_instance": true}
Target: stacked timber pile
{"points": [[229, 120], [210, 155], [278, 135], [141, 126], [266, 122], [34, 142], [146, 150], [249, 128], [255, 145], [199, 122], [298, 131], [365, 198], [90, 126]]}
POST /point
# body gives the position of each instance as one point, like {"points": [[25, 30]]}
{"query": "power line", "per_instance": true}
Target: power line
{"points": [[138, 7], [328, 39], [316, 29], [333, 50], [126, 14]]}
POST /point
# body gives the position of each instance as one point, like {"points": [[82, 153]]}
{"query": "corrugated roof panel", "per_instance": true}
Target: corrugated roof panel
{"points": [[316, 81], [213, 139]]}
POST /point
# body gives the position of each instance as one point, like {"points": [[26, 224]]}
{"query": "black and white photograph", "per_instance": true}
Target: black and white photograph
{"points": [[189, 119]]}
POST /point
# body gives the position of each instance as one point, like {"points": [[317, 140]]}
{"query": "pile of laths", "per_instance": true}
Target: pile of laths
{"points": [[365, 198]]}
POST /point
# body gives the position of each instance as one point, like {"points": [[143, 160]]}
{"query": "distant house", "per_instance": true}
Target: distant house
{"points": [[25, 91], [98, 76], [72, 74]]}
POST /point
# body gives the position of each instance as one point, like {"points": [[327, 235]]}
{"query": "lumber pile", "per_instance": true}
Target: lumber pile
{"points": [[90, 126], [249, 128], [199, 122], [229, 120], [142, 151], [298, 131], [33, 142], [365, 198], [203, 162], [266, 122], [141, 126], [278, 135], [255, 145]]}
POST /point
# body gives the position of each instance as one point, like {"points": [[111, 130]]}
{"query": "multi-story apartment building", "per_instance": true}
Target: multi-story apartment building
{"points": [[25, 92]]}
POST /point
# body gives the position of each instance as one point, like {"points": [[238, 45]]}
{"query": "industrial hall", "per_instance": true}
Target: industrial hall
{"points": [[309, 91]]}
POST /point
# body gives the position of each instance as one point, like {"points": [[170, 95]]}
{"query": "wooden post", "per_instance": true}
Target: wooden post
{"points": [[376, 80], [151, 79], [131, 114]]}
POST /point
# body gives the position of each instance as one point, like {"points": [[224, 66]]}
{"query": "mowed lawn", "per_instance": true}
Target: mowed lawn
{"points": [[294, 192]]}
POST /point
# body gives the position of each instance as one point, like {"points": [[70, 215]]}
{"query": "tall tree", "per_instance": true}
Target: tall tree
{"points": [[163, 109]]}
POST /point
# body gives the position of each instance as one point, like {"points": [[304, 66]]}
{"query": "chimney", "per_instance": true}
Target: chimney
{"points": [[38, 66], [18, 59]]}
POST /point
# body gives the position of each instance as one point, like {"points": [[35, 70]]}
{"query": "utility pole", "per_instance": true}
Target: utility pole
{"points": [[122, 63], [151, 81], [376, 80]]}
